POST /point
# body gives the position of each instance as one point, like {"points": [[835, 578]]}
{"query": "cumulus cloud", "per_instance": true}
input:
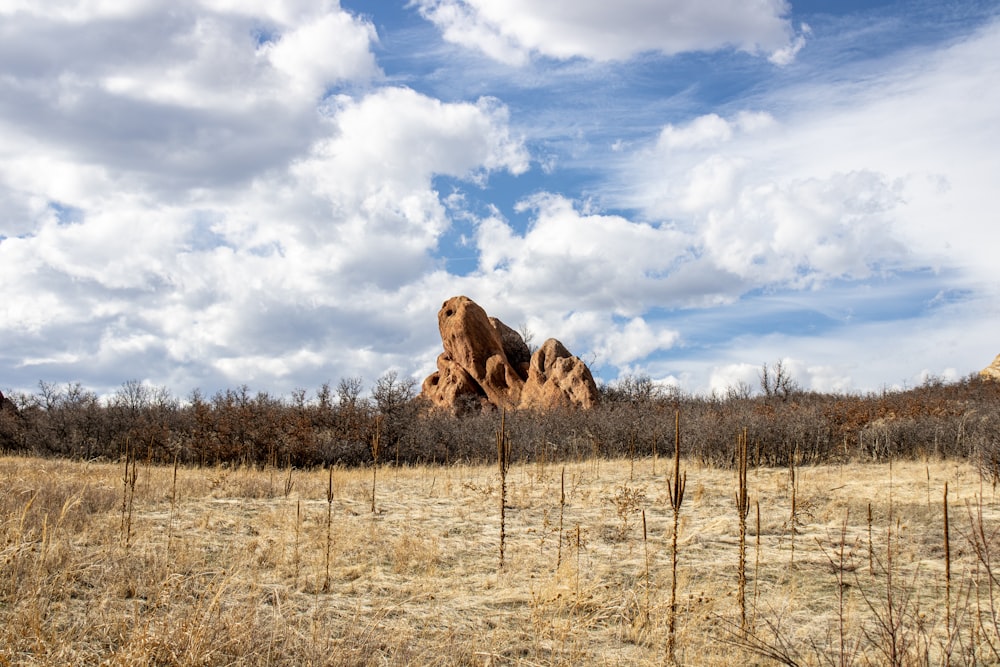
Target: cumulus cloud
{"points": [[510, 31], [174, 96], [604, 261], [634, 341], [846, 186], [237, 223]]}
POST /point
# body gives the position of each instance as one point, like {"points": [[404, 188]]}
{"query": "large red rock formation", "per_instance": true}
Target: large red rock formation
{"points": [[485, 362], [558, 379]]}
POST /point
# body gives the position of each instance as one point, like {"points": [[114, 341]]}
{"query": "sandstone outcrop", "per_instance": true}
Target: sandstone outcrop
{"points": [[487, 363], [558, 379], [992, 372]]}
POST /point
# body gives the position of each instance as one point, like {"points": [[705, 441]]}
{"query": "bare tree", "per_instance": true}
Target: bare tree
{"points": [[777, 382]]}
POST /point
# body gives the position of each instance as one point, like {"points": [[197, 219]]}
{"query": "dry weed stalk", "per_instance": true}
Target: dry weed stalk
{"points": [[645, 551], [947, 564], [839, 567], [329, 527], [296, 559], [173, 504], [579, 543], [631, 456], [676, 491], [871, 545], [893, 616], [129, 478], [503, 465], [743, 510], [376, 446], [656, 437], [793, 518], [756, 566], [562, 507]]}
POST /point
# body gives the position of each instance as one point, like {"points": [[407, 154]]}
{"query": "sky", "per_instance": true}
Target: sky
{"points": [[206, 194]]}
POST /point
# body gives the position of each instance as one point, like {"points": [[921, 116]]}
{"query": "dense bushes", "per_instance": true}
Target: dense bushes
{"points": [[634, 418]]}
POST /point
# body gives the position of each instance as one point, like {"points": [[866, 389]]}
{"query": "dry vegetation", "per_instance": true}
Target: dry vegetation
{"points": [[249, 565]]}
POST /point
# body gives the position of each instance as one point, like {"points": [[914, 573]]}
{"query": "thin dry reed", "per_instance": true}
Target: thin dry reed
{"points": [[173, 504], [947, 562], [562, 508], [743, 510], [329, 529], [376, 447], [503, 465], [129, 477], [645, 551], [676, 492]]}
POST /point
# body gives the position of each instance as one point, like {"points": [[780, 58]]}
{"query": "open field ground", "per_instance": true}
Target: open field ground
{"points": [[223, 566]]}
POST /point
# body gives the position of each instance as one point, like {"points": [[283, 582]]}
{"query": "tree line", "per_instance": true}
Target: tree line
{"points": [[635, 417]]}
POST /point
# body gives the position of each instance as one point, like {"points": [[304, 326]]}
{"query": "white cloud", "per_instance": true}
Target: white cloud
{"points": [[333, 48], [298, 249], [849, 181], [168, 96], [633, 341], [511, 30], [135, 249], [602, 262], [786, 55], [732, 377], [704, 130], [398, 135]]}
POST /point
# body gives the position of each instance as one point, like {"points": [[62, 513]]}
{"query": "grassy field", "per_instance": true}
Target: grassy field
{"points": [[223, 566]]}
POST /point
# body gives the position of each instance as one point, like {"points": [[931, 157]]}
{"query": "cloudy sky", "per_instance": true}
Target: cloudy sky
{"points": [[211, 193]]}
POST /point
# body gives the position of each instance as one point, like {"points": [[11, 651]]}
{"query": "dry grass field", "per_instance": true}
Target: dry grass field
{"points": [[238, 566]]}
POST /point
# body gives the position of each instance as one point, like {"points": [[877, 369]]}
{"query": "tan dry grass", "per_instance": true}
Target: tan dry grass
{"points": [[234, 573]]}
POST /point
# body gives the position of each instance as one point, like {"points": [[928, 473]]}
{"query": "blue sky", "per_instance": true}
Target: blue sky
{"points": [[210, 193]]}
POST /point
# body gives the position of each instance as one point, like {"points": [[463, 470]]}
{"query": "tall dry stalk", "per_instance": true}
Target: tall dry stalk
{"points": [[871, 545], [578, 543], [839, 567], [947, 565], [503, 465], [794, 516], [376, 446], [756, 566], [173, 505], [129, 478], [656, 436], [329, 527], [296, 560], [676, 492], [631, 456], [562, 507], [645, 551], [743, 510]]}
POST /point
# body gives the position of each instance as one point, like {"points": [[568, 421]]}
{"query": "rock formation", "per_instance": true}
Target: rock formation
{"points": [[485, 362], [558, 379], [991, 372]]}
